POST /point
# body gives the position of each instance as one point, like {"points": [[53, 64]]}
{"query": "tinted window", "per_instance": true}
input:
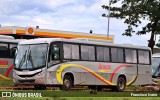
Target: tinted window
{"points": [[12, 50], [4, 50]]}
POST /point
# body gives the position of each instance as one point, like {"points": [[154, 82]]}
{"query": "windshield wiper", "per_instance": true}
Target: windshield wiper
{"points": [[31, 59], [22, 60]]}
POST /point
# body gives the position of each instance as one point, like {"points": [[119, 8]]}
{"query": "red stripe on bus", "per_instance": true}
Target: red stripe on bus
{"points": [[114, 72], [9, 70]]}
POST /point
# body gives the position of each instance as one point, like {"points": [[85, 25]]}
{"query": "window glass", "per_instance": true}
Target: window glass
{"points": [[67, 51], [103, 54], [120, 55], [134, 56], [117, 55], [75, 52], [131, 56], [91, 52], [141, 56], [106, 54], [4, 50], [12, 50], [55, 53], [114, 54], [37, 55], [147, 57], [100, 53], [71, 51], [84, 53]]}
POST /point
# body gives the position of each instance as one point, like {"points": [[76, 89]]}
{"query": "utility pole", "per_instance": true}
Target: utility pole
{"points": [[108, 19]]}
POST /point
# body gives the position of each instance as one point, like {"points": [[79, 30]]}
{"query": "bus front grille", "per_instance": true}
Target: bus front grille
{"points": [[32, 75]]}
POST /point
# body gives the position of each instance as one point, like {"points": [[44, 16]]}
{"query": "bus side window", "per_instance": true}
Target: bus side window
{"points": [[13, 48], [12, 52], [4, 50]]}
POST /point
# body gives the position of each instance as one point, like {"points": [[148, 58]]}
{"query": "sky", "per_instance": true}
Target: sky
{"points": [[66, 15]]}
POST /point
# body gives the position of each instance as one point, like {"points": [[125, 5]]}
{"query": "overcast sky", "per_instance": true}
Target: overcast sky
{"points": [[66, 15]]}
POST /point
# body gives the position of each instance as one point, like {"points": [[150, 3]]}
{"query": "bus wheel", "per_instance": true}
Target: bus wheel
{"points": [[67, 83], [121, 83]]}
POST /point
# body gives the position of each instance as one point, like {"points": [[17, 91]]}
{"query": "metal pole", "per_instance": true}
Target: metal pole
{"points": [[108, 19]]}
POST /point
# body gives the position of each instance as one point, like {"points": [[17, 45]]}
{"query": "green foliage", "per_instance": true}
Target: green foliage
{"points": [[158, 44], [4, 82], [134, 11]]}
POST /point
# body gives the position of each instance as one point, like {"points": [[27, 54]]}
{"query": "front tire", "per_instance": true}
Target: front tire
{"points": [[67, 83]]}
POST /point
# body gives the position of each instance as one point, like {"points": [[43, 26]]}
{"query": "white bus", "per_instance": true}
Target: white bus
{"points": [[7, 53], [70, 62], [156, 68]]}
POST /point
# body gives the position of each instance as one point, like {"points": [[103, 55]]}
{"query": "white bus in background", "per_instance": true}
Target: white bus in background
{"points": [[7, 53], [70, 62], [156, 68]]}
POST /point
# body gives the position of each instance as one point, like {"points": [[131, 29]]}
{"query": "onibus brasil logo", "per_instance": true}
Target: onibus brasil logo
{"points": [[18, 94]]}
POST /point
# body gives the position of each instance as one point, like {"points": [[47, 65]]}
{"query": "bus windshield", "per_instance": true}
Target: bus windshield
{"points": [[155, 65], [30, 57]]}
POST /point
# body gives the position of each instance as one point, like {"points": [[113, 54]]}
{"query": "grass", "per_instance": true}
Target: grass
{"points": [[84, 98], [46, 93], [4, 82]]}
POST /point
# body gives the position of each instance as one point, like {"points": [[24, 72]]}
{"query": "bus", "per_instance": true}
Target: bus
{"points": [[71, 62], [10, 34], [7, 53], [156, 68]]}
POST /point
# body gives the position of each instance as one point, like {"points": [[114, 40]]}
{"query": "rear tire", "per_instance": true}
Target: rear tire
{"points": [[121, 83], [67, 83]]}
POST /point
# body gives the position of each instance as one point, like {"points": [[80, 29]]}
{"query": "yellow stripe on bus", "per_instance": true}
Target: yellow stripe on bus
{"points": [[130, 82], [6, 78], [59, 73], [3, 66]]}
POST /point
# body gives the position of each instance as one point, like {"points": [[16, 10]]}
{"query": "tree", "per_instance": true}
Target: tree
{"points": [[133, 12]]}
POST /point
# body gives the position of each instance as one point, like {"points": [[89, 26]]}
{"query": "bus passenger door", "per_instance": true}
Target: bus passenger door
{"points": [[53, 61]]}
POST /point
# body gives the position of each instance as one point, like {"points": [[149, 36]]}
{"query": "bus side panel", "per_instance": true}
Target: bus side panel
{"points": [[6, 68], [51, 79], [144, 75]]}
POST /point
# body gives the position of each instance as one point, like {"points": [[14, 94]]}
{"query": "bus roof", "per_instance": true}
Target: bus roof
{"points": [[31, 32], [9, 39], [50, 40]]}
